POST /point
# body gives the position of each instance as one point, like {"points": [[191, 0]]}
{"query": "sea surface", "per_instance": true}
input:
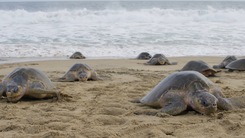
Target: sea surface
{"points": [[101, 29]]}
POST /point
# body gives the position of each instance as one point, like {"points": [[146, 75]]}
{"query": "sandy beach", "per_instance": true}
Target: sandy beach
{"points": [[103, 109]]}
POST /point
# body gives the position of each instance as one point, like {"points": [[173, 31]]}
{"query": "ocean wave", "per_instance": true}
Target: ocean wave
{"points": [[118, 52], [122, 33], [154, 15]]}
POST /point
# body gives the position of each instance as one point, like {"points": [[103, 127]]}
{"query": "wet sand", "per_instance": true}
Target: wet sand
{"points": [[103, 108]]}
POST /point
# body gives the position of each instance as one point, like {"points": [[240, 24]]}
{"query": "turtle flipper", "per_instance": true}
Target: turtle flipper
{"points": [[220, 66], [173, 63], [2, 89], [153, 61], [172, 104], [237, 102], [227, 103], [94, 76], [67, 78], [224, 104], [38, 93]]}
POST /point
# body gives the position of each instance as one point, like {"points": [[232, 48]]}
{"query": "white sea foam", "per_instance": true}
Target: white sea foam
{"points": [[122, 33]]}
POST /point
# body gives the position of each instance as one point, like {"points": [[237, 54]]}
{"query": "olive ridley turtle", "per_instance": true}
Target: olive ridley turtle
{"points": [[144, 56], [236, 65], [27, 82], [199, 66], [77, 55], [225, 62], [189, 89], [79, 72], [160, 59]]}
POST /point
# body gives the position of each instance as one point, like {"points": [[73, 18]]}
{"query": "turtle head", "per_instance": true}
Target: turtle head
{"points": [[203, 102], [147, 56], [83, 76], [14, 92], [161, 60], [208, 72]]}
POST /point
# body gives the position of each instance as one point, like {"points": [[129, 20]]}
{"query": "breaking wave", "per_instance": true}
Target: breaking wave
{"points": [[121, 32]]}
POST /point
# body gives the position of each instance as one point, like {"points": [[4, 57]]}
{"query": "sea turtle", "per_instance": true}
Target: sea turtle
{"points": [[77, 55], [199, 66], [160, 59], [189, 90], [236, 65], [144, 55], [79, 72], [27, 82], [225, 62]]}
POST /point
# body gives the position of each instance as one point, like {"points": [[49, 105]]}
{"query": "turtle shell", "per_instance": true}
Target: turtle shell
{"points": [[163, 58], [144, 55], [198, 65], [158, 55], [237, 65], [77, 55], [78, 66], [22, 76], [180, 81]]}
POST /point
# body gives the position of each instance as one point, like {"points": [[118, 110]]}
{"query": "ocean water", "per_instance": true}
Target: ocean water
{"points": [[121, 29]]}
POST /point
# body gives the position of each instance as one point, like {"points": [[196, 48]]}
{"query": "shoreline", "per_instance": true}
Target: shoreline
{"points": [[7, 60]]}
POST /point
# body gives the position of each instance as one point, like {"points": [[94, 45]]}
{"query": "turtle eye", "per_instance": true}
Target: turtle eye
{"points": [[205, 103]]}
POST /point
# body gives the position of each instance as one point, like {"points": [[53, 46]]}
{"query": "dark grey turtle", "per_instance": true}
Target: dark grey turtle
{"points": [[77, 55], [27, 82], [225, 62], [199, 66], [160, 59], [236, 65], [80, 72], [189, 89], [144, 56]]}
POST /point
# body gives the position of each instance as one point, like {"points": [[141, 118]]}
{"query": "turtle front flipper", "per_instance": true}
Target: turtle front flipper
{"points": [[173, 63], [94, 76], [37, 90], [237, 102], [68, 78], [220, 66], [228, 103], [153, 61], [172, 104], [41, 93], [2, 89]]}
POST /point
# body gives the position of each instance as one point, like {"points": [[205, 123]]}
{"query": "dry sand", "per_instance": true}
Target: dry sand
{"points": [[102, 108]]}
